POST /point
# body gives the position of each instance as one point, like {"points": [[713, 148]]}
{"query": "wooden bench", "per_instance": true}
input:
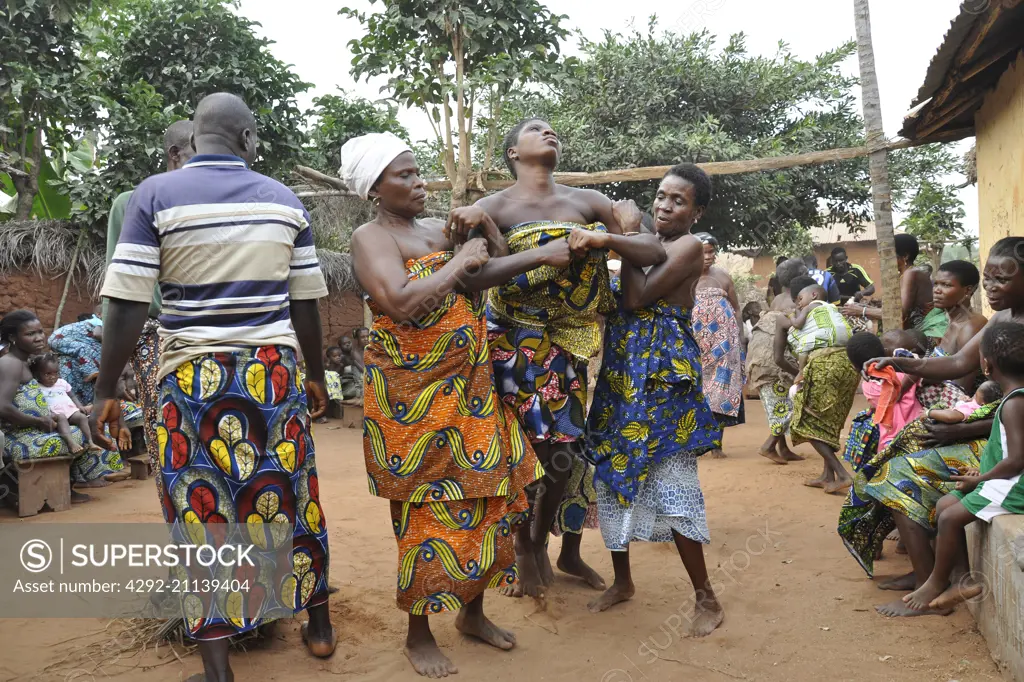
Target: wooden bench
{"points": [[42, 482], [140, 467]]}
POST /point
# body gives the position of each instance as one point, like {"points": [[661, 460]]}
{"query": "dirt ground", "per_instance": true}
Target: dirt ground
{"points": [[798, 607]]}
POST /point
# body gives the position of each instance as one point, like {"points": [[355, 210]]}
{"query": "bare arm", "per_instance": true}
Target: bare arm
{"points": [[909, 284], [466, 222], [641, 249], [946, 416], [128, 317], [683, 262], [861, 310], [380, 271], [10, 382], [497, 271], [779, 348], [867, 292], [966, 361], [801, 319]]}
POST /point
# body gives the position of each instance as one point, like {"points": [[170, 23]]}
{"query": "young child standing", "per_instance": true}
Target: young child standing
{"points": [[995, 489], [64, 407]]}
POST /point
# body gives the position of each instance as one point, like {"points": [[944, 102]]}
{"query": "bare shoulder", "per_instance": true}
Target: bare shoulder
{"points": [[591, 197], [721, 274], [493, 202], [11, 366], [684, 248]]}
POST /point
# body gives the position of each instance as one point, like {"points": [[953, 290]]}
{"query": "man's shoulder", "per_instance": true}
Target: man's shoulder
{"points": [[122, 199]]}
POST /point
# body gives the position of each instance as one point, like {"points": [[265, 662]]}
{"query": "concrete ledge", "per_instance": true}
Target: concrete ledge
{"points": [[997, 554]]}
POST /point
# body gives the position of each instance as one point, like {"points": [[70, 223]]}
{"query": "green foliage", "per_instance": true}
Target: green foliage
{"points": [[337, 118], [794, 243], [447, 56], [936, 216], [646, 99], [154, 61], [42, 97]]}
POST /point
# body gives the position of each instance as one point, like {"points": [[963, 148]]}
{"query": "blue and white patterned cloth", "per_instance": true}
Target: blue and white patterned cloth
{"points": [[669, 499]]}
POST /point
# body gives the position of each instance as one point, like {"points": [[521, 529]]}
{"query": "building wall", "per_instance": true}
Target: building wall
{"points": [[339, 313], [1000, 123], [863, 253]]}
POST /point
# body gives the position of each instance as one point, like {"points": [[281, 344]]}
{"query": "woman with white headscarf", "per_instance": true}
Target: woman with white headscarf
{"points": [[452, 459]]}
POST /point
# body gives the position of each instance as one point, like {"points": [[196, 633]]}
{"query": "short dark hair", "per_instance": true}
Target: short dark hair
{"points": [[789, 271], [1009, 247], [37, 362], [512, 139], [355, 332], [780, 260], [331, 349], [990, 392], [799, 284], [12, 321], [1003, 345], [966, 273], [838, 250], [178, 135], [696, 176], [863, 346], [706, 238], [811, 261], [749, 308], [907, 246]]}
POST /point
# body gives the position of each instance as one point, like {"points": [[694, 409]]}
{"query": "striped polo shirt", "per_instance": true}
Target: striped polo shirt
{"points": [[229, 247]]}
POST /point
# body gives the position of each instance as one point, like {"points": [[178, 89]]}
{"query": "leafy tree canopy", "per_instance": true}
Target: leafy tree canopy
{"points": [[337, 118]]}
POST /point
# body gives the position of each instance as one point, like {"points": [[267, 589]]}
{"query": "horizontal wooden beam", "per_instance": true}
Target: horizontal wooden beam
{"points": [[657, 172]]}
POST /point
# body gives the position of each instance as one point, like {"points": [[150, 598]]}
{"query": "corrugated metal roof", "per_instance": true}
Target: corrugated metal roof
{"points": [[939, 67]]}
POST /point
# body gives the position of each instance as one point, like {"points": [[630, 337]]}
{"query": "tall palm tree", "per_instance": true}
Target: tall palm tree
{"points": [[881, 195]]}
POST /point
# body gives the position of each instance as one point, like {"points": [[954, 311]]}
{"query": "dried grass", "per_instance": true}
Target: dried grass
{"points": [[48, 247]]}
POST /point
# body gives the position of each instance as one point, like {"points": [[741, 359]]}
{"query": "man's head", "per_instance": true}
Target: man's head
{"points": [[907, 249], [682, 198], [790, 270], [811, 261], [809, 294], [223, 124], [345, 344], [531, 141], [840, 261], [178, 144], [899, 338], [799, 283]]}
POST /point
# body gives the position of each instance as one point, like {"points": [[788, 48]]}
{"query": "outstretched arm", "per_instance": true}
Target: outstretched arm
{"points": [[952, 367], [623, 218], [779, 348], [683, 262]]}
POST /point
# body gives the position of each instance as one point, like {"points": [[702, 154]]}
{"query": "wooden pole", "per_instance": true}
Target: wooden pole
{"points": [[881, 194]]}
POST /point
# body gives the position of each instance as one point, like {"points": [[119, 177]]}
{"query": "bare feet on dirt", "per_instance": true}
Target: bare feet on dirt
{"points": [[613, 595], [899, 583], [773, 456], [707, 616], [579, 568], [480, 627], [897, 609]]}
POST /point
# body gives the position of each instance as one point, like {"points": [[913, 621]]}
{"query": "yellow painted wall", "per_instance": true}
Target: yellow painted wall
{"points": [[1000, 137]]}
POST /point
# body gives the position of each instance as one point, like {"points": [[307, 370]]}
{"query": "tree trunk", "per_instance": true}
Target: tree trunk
{"points": [[881, 195], [460, 182]]}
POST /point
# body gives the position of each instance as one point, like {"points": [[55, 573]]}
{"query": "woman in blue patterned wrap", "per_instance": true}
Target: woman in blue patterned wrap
{"points": [[650, 419]]}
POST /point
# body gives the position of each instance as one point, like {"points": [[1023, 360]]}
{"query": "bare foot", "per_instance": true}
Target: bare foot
{"points": [[815, 483], [320, 644], [547, 574], [707, 615], [530, 583], [900, 583], [515, 590], [921, 598], [839, 485], [612, 596], [577, 567], [894, 535], [773, 456], [481, 627], [960, 591], [897, 609], [716, 454], [428, 660], [789, 455]]}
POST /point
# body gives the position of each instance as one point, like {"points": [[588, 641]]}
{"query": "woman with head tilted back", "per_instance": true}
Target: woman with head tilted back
{"points": [[902, 484], [429, 405], [716, 327]]}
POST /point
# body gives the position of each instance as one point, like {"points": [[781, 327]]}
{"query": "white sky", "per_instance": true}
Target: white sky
{"points": [[310, 35]]}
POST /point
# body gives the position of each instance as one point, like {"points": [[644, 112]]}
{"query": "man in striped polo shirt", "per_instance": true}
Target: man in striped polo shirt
{"points": [[239, 277]]}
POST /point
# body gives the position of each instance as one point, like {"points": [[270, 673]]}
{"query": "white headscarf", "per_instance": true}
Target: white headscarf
{"points": [[364, 158]]}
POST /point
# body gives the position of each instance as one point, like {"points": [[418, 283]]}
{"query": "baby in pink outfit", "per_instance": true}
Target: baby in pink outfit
{"points": [[64, 407], [988, 392]]}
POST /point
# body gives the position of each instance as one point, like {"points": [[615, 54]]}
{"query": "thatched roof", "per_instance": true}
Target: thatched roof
{"points": [[48, 247]]}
